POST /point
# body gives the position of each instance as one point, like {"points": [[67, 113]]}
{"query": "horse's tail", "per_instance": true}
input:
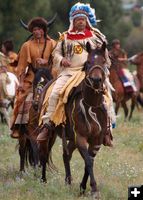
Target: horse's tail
{"points": [[29, 153]]}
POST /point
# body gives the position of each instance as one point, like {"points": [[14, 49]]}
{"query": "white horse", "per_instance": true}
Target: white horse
{"points": [[11, 87]]}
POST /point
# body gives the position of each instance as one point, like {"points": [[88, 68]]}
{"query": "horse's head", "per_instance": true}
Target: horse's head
{"points": [[95, 66], [42, 76], [136, 59]]}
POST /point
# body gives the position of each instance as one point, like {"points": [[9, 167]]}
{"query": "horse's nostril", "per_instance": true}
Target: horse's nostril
{"points": [[96, 80], [100, 79]]}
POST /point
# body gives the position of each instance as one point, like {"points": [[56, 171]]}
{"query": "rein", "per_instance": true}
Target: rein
{"points": [[88, 83], [88, 108]]}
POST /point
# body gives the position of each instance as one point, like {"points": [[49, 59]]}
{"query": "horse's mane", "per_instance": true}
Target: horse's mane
{"points": [[42, 72]]}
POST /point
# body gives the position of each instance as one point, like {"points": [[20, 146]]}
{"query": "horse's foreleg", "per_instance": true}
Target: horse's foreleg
{"points": [[66, 158], [133, 103], [22, 143], [126, 111], [2, 118], [88, 165], [43, 151], [12, 103], [84, 181], [45, 148], [117, 105], [92, 150], [6, 115]]}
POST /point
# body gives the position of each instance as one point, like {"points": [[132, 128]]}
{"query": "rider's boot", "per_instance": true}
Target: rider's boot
{"points": [[107, 141], [108, 138], [15, 132], [43, 135]]}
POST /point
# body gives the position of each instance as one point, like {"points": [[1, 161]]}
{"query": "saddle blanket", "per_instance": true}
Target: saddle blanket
{"points": [[127, 80], [59, 114]]}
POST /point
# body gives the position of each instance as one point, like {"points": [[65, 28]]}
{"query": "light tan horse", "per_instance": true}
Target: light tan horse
{"points": [[8, 87]]}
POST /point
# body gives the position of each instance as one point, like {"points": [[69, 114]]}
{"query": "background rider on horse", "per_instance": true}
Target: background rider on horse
{"points": [[120, 60]]}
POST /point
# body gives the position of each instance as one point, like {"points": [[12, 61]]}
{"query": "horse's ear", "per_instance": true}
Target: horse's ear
{"points": [[103, 48], [104, 45], [86, 66], [88, 47]]}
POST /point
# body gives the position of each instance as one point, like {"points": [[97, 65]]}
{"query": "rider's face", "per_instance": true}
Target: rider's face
{"points": [[117, 46], [3, 49], [38, 33], [79, 23]]}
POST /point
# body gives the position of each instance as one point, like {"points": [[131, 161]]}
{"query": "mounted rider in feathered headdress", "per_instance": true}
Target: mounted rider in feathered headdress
{"points": [[69, 57]]}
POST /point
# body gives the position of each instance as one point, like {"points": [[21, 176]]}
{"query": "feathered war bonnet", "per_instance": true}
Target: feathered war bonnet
{"points": [[82, 10]]}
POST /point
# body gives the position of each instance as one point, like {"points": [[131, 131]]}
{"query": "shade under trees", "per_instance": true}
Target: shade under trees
{"points": [[109, 12]]}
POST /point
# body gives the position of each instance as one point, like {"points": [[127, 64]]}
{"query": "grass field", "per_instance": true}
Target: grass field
{"points": [[115, 169]]}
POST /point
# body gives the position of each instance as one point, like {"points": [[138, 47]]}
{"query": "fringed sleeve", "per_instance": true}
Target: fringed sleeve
{"points": [[24, 59]]}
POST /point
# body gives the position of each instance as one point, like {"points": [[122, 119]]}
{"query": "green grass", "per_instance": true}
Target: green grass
{"points": [[115, 169]]}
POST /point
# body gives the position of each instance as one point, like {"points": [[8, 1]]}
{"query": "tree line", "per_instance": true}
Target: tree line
{"points": [[109, 12]]}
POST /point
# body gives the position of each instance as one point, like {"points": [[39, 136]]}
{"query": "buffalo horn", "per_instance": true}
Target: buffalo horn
{"points": [[24, 25], [51, 21]]}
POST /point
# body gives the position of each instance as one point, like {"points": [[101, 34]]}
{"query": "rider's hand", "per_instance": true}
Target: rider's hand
{"points": [[65, 62], [41, 61]]}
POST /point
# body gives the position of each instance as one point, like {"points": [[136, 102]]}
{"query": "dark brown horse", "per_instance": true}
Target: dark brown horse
{"points": [[28, 150], [120, 96], [87, 121]]}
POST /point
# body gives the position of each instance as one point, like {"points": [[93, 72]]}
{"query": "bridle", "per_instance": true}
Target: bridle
{"points": [[36, 97], [89, 83]]}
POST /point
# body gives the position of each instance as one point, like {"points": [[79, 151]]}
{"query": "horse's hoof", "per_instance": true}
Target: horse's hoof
{"points": [[22, 172], [43, 180], [82, 190], [96, 195], [68, 180], [36, 170]]}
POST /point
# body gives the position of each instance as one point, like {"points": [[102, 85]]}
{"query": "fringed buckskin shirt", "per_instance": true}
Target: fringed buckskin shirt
{"points": [[30, 51]]}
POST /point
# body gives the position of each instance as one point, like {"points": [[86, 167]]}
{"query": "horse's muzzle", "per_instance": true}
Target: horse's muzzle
{"points": [[96, 80]]}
